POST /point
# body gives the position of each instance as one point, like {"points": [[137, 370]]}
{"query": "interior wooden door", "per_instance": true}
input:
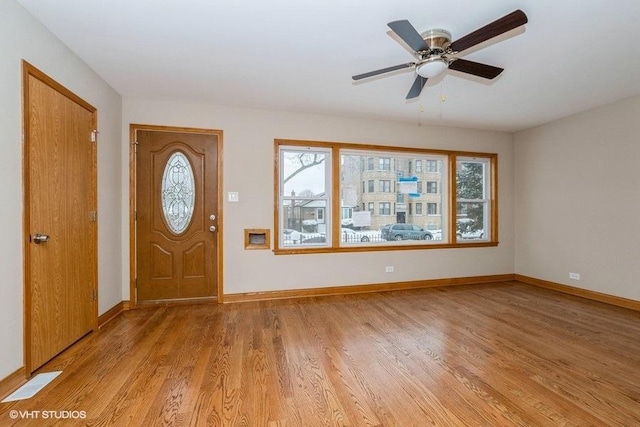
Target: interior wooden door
{"points": [[176, 215], [60, 218]]}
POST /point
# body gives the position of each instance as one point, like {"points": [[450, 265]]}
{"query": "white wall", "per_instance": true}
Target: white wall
{"points": [[577, 200], [248, 169], [22, 37]]}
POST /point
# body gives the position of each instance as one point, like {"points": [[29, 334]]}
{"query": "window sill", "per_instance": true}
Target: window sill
{"points": [[358, 248]]}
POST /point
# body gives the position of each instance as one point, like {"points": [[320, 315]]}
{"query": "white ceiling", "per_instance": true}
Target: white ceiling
{"points": [[296, 55]]}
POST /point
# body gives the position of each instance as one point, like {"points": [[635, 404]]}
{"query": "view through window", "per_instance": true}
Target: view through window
{"points": [[393, 211]]}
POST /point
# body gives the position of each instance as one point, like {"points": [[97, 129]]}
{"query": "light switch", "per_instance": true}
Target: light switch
{"points": [[233, 196]]}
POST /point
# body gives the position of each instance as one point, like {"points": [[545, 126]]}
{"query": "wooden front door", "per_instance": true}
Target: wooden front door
{"points": [[176, 214], [59, 218]]}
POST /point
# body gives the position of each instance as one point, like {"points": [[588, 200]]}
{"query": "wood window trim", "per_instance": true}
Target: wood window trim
{"points": [[336, 147]]}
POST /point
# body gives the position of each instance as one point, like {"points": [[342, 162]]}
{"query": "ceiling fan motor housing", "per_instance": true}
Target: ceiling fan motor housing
{"points": [[437, 40]]}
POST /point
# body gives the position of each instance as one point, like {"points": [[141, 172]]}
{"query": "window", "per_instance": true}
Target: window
{"points": [[385, 208], [396, 192], [472, 201], [385, 164], [304, 199], [324, 186], [432, 166], [178, 192], [370, 163]]}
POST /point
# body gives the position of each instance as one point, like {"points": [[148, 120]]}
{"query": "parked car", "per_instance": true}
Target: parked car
{"points": [[478, 234], [466, 230], [290, 236], [350, 236], [404, 232]]}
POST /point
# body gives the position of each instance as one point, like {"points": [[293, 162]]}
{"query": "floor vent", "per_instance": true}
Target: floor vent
{"points": [[32, 387]]}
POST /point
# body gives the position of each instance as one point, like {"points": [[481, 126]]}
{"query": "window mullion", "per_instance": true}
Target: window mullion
{"points": [[334, 198]]}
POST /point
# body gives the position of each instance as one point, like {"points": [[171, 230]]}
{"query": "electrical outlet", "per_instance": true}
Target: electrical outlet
{"points": [[388, 269], [574, 276]]}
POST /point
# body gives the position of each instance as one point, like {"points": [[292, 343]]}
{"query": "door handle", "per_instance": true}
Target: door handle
{"points": [[212, 228], [40, 238]]}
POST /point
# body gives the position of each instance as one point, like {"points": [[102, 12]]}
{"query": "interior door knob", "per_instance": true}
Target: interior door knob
{"points": [[212, 228], [40, 238]]}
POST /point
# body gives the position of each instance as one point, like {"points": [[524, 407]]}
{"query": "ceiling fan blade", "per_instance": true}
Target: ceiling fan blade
{"points": [[489, 31], [383, 70], [476, 68], [409, 34], [416, 88]]}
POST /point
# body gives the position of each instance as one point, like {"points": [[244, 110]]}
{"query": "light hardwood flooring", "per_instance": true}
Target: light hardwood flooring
{"points": [[480, 355]]}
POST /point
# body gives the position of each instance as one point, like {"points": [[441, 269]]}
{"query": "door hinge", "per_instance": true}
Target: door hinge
{"points": [[93, 216], [95, 294], [94, 135], [135, 146]]}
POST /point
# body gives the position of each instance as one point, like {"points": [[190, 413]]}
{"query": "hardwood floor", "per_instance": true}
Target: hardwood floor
{"points": [[489, 355]]}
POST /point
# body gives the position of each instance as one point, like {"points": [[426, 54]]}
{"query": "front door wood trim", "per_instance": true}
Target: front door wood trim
{"points": [[28, 70], [132, 203]]}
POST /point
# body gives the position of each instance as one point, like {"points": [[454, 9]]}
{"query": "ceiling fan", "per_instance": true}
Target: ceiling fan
{"points": [[435, 52]]}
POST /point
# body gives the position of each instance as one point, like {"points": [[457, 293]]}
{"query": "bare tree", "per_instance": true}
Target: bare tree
{"points": [[305, 193], [306, 161]]}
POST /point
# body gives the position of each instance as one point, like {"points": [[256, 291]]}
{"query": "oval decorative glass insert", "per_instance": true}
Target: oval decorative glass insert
{"points": [[178, 192]]}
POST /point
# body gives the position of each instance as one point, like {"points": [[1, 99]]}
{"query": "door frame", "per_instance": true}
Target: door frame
{"points": [[133, 301], [28, 70]]}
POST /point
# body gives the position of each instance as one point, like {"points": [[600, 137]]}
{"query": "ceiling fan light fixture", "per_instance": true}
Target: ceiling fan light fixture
{"points": [[432, 67]]}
